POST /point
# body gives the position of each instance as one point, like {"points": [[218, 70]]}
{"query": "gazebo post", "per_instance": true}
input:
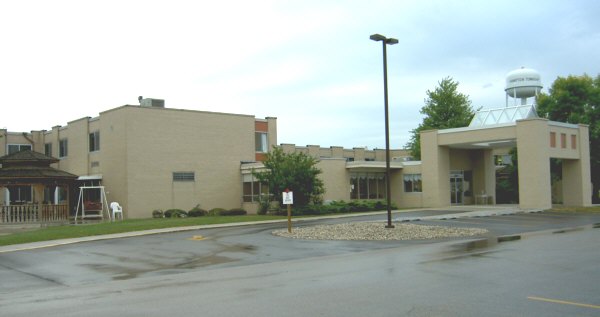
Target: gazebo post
{"points": [[38, 199]]}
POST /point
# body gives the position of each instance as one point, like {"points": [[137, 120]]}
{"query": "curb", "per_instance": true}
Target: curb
{"points": [[61, 242]]}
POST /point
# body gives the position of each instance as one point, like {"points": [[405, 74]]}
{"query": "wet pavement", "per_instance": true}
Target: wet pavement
{"points": [[178, 252], [549, 270]]}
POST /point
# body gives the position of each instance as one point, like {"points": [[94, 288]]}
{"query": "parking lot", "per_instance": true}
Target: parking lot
{"points": [[174, 258]]}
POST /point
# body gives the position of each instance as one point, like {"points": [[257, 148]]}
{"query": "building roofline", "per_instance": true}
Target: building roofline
{"points": [[175, 109]]}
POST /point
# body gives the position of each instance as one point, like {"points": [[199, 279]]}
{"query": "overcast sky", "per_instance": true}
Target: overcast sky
{"points": [[308, 63]]}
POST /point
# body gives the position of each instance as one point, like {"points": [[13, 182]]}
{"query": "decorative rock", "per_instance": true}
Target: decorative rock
{"points": [[377, 231]]}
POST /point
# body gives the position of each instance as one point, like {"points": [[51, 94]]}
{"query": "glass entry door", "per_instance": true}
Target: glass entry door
{"points": [[456, 187]]}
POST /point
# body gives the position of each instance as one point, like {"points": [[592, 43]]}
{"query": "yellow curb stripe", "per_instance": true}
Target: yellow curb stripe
{"points": [[564, 302]]}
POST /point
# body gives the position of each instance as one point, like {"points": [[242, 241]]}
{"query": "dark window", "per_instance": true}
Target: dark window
{"points": [[63, 148], [367, 186], [254, 190], [14, 148], [95, 141], [412, 183], [48, 149], [260, 142], [20, 194]]}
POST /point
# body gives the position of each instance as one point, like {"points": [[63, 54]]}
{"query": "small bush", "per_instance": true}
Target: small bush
{"points": [[197, 212], [216, 211], [157, 214], [264, 205], [175, 213], [233, 212]]}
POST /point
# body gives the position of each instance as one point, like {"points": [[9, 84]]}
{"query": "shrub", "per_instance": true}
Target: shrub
{"points": [[216, 211], [233, 212], [197, 212], [332, 207], [264, 205], [175, 213], [157, 213]]}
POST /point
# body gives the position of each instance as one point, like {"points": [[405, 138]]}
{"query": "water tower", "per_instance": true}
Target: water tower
{"points": [[522, 83]]}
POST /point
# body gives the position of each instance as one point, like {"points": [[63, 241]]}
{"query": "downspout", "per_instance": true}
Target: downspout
{"points": [[28, 139]]}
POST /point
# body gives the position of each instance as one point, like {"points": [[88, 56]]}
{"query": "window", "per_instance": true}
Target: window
{"points": [[94, 141], [367, 186], [563, 140], [253, 190], [20, 194], [552, 139], [184, 176], [48, 149], [573, 141], [260, 141], [412, 183], [63, 148], [14, 148], [504, 159]]}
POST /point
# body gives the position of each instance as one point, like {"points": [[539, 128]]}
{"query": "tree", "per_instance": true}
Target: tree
{"points": [[507, 181], [294, 171], [576, 99], [444, 108]]}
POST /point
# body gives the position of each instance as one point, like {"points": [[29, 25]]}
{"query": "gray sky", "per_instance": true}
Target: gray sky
{"points": [[308, 63]]}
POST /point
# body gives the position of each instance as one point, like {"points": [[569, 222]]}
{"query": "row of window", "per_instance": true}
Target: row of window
{"points": [[63, 145], [24, 195], [563, 140]]}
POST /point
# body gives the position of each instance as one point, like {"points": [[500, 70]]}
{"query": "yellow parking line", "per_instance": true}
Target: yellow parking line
{"points": [[564, 302]]}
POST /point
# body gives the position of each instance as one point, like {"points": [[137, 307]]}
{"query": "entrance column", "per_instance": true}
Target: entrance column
{"points": [[489, 170], [533, 138], [435, 161], [576, 175]]}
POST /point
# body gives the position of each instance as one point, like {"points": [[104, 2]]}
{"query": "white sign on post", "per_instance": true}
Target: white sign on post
{"points": [[288, 198]]}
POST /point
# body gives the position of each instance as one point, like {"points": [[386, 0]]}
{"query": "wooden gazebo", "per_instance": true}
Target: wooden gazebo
{"points": [[31, 171]]}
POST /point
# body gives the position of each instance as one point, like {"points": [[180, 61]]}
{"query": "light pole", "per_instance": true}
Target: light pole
{"points": [[386, 41]]}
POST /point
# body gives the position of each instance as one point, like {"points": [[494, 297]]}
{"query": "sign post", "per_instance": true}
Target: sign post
{"points": [[288, 199]]}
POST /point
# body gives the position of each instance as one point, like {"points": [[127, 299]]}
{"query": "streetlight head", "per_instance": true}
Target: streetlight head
{"points": [[391, 41], [377, 37]]}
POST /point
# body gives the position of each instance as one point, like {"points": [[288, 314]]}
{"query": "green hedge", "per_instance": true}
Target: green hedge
{"points": [[197, 212], [175, 213], [216, 211], [233, 212], [335, 207]]}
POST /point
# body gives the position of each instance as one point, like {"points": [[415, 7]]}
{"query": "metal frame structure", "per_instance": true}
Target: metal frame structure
{"points": [[103, 201]]}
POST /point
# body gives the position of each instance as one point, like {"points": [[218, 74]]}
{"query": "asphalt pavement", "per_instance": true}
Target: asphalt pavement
{"points": [[530, 264], [399, 216]]}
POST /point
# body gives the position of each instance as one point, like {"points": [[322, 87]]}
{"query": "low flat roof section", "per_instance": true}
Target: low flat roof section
{"points": [[90, 177], [373, 165]]}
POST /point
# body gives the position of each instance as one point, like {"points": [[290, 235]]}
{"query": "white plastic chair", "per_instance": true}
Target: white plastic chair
{"points": [[116, 209]]}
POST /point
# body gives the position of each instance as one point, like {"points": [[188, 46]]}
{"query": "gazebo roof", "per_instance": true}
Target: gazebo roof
{"points": [[27, 156], [27, 167]]}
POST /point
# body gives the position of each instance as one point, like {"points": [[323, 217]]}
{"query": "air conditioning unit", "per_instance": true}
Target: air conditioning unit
{"points": [[153, 103]]}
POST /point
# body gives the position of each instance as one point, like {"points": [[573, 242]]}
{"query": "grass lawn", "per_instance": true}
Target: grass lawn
{"points": [[84, 230], [594, 209]]}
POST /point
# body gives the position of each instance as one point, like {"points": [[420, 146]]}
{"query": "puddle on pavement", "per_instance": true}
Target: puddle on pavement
{"points": [[473, 248], [148, 267]]}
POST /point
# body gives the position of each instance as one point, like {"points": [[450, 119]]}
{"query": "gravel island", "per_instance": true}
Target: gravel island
{"points": [[377, 231]]}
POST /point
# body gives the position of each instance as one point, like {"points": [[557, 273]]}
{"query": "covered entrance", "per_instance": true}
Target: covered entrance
{"points": [[472, 149], [457, 192]]}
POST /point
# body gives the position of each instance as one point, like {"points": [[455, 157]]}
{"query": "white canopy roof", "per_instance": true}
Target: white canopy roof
{"points": [[503, 115]]}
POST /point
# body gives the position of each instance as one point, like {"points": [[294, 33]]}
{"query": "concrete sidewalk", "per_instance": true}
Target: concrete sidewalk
{"points": [[469, 211]]}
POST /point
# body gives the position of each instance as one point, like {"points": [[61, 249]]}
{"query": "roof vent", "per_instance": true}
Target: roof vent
{"points": [[151, 102]]}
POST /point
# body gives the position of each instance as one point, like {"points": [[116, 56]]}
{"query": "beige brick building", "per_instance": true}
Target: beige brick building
{"points": [[153, 158], [159, 158]]}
